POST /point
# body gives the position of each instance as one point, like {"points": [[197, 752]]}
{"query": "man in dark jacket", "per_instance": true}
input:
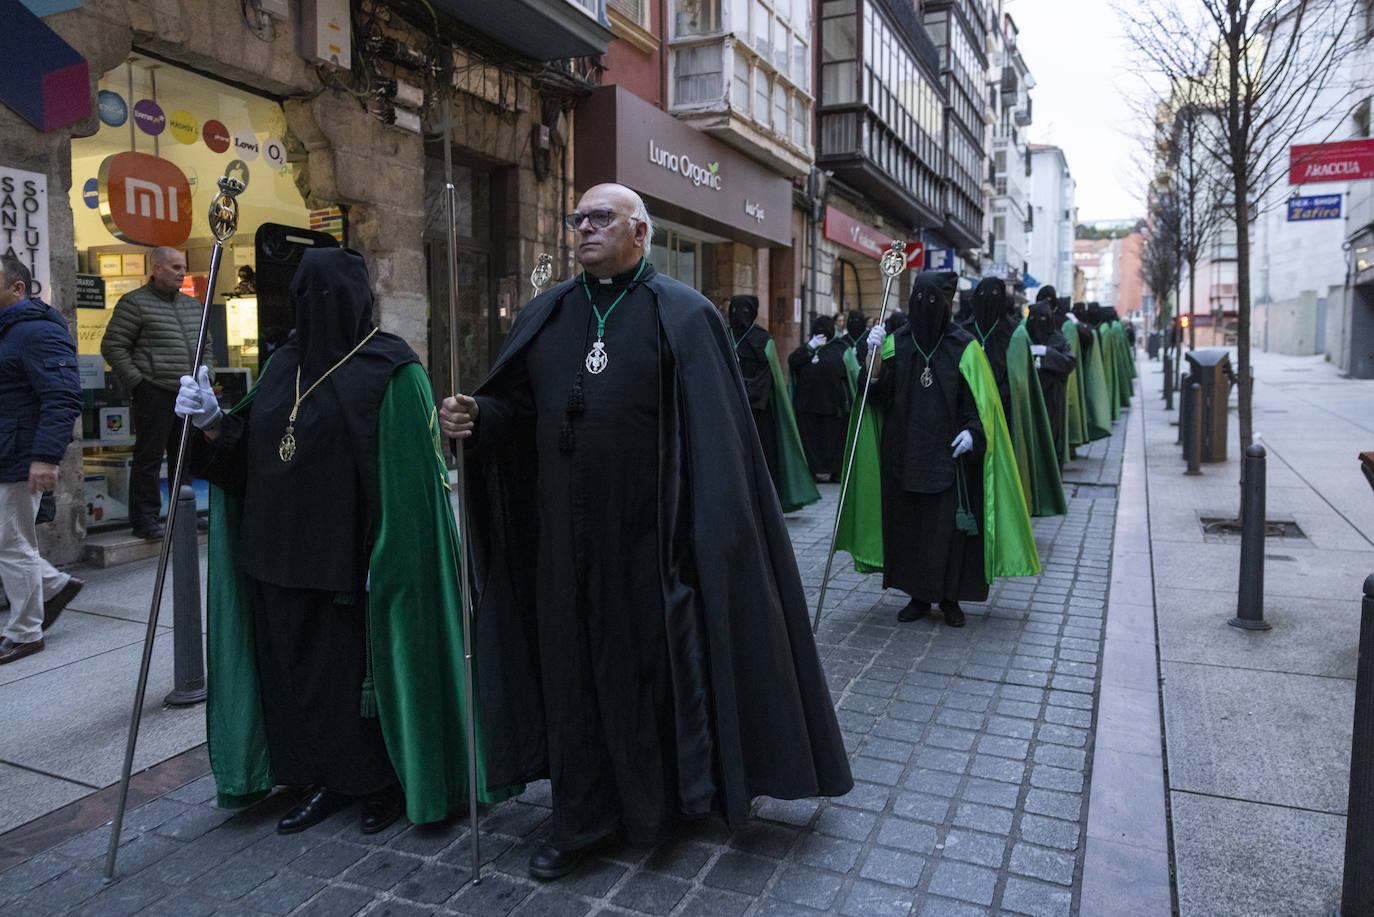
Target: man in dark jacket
{"points": [[150, 342], [40, 398]]}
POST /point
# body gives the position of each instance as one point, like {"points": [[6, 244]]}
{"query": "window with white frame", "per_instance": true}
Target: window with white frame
{"points": [[696, 17], [637, 11], [696, 74]]}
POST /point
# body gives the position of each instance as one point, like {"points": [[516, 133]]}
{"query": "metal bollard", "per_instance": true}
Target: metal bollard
{"points": [[1168, 382], [1192, 447], [1357, 888], [188, 655], [1250, 596]]}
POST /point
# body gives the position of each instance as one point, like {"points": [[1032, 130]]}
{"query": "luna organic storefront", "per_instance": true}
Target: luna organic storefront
{"points": [[146, 178]]}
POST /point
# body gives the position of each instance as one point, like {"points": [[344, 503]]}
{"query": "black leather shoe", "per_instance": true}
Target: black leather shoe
{"points": [[150, 531], [381, 809], [315, 805], [53, 607], [11, 651], [954, 615], [548, 862], [914, 611]]}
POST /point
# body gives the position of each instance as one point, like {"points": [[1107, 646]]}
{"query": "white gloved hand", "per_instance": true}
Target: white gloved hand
{"points": [[817, 342], [962, 443], [1037, 350], [876, 335], [196, 400]]}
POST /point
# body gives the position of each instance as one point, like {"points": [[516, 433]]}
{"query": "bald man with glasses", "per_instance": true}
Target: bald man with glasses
{"points": [[642, 637]]}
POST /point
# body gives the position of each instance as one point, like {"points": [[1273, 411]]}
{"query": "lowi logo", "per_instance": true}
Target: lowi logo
{"points": [[145, 200]]}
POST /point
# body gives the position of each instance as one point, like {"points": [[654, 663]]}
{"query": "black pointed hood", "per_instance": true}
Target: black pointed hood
{"points": [[1040, 322], [332, 294], [989, 304], [1046, 292], [744, 309], [928, 310]]}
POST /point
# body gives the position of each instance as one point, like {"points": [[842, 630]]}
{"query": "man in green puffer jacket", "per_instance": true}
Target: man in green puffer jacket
{"points": [[150, 342]]}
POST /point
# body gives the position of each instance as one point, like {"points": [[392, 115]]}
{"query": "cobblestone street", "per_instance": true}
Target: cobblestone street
{"points": [[971, 753]]}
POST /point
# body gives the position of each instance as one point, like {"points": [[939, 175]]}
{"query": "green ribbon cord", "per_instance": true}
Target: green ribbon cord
{"points": [[601, 319], [983, 338], [736, 340], [938, 341]]}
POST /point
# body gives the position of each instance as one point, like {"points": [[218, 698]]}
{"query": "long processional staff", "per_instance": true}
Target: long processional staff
{"points": [[641, 635]]}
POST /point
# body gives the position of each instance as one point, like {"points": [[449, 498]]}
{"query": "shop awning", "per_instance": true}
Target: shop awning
{"points": [[541, 29]]}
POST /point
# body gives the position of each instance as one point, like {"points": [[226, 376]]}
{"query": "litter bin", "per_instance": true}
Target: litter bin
{"points": [[1212, 368], [1152, 345]]}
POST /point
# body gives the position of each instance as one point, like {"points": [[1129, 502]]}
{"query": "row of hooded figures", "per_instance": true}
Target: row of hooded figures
{"points": [[639, 634]]}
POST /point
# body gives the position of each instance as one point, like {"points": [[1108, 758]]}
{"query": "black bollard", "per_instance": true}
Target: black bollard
{"points": [[1168, 382], [1250, 596], [1357, 889], [1192, 445], [188, 661]]}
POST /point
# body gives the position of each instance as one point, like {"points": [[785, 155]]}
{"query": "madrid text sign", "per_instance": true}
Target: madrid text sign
{"points": [[1347, 160]]}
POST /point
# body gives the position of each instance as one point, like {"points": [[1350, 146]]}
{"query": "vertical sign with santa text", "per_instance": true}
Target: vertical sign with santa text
{"points": [[24, 222]]}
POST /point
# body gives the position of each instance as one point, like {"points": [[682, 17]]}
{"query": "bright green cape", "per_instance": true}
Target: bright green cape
{"points": [[794, 484], [414, 616], [1125, 363], [851, 365], [1106, 345], [1008, 542], [1031, 436], [1096, 396], [1075, 420]]}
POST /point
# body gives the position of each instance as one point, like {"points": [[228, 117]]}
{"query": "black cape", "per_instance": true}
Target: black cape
{"points": [[750, 710]]}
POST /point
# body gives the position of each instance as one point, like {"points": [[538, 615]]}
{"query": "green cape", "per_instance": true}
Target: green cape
{"points": [[851, 365], [413, 613], [794, 484], [1125, 363], [1008, 542], [1031, 437], [1096, 396], [1075, 420], [1106, 345]]}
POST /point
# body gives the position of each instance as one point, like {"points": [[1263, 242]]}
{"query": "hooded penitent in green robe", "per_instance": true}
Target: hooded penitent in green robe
{"points": [[1031, 436], [851, 365], [796, 488], [1096, 397], [1103, 344], [1076, 421], [1125, 363], [1008, 542], [413, 616]]}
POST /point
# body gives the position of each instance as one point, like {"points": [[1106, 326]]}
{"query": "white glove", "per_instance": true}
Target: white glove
{"points": [[1037, 350], [817, 342], [196, 399], [962, 443], [876, 335]]}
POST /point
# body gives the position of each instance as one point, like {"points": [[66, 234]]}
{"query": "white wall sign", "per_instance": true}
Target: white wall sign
{"points": [[24, 223], [698, 174]]}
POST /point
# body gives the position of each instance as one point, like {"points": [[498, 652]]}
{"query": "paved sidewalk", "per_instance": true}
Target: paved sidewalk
{"points": [[972, 750], [1257, 725]]}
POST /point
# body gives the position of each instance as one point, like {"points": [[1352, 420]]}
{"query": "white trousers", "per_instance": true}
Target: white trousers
{"points": [[28, 579]]}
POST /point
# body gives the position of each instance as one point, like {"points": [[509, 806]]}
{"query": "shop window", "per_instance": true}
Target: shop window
{"points": [[204, 129]]}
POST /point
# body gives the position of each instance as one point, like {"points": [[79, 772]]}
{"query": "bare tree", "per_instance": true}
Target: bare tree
{"points": [[1160, 263], [1273, 70]]}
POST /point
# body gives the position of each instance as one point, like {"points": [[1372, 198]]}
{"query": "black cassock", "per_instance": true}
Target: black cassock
{"points": [[750, 350], [641, 631], [821, 399], [1054, 367]]}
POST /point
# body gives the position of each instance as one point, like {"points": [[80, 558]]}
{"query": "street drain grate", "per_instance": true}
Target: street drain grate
{"points": [[1229, 525]]}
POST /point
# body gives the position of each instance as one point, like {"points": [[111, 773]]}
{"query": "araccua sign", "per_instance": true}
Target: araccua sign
{"points": [[1348, 160], [144, 200]]}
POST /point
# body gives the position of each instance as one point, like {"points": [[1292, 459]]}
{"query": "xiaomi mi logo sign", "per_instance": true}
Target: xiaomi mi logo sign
{"points": [[145, 200]]}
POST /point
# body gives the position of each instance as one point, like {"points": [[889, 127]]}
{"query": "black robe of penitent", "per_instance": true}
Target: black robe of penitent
{"points": [[642, 635]]}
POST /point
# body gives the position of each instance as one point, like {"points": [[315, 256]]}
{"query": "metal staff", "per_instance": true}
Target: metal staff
{"points": [[224, 222], [891, 264]]}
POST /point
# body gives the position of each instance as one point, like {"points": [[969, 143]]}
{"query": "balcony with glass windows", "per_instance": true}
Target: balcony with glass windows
{"points": [[741, 70], [543, 30]]}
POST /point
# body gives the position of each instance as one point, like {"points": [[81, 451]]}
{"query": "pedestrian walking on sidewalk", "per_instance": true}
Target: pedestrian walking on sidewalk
{"points": [[150, 343], [642, 634], [334, 652], [40, 399]]}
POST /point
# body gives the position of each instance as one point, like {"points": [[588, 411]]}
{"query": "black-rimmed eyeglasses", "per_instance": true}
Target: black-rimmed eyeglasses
{"points": [[599, 218]]}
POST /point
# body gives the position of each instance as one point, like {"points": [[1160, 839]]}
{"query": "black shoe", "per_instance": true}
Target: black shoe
{"points": [[954, 615], [53, 607], [914, 611], [315, 805], [548, 862], [381, 809], [148, 531], [11, 651]]}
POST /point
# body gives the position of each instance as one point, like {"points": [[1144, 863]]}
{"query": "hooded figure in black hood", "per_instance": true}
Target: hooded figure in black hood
{"points": [[751, 349], [856, 333], [821, 395], [334, 446], [931, 461], [1054, 361], [992, 327]]}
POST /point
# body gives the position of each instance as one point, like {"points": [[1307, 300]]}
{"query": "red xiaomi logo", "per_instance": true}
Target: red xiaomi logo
{"points": [[145, 200]]}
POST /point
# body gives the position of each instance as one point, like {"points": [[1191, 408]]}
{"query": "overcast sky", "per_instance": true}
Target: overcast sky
{"points": [[1081, 63]]}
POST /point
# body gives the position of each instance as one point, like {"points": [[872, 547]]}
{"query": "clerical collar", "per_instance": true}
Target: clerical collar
{"points": [[624, 278]]}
